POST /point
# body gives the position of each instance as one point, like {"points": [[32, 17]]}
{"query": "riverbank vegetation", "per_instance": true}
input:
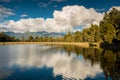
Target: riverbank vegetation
{"points": [[6, 38], [108, 32]]}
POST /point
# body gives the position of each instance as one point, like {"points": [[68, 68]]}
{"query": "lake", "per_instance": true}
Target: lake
{"points": [[53, 62]]}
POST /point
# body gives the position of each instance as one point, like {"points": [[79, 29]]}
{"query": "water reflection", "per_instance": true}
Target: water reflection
{"points": [[110, 63], [64, 61], [109, 59]]}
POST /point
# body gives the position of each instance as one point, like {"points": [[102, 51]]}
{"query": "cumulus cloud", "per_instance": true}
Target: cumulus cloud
{"points": [[116, 7], [77, 16], [3, 26], [23, 15], [23, 25], [62, 21], [5, 12]]}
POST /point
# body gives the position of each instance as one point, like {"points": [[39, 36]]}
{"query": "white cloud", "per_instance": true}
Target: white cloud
{"points": [[5, 0], [23, 25], [5, 12], [42, 4], [77, 16], [59, 0], [55, 6], [99, 10], [116, 7], [64, 20], [23, 15]]}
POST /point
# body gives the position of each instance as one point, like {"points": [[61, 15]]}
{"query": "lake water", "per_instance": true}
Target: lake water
{"points": [[47, 62]]}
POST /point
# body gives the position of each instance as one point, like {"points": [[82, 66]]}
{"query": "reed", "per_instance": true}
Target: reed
{"points": [[82, 44]]}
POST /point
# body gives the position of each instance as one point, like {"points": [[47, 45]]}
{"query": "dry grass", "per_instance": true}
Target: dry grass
{"points": [[82, 44]]}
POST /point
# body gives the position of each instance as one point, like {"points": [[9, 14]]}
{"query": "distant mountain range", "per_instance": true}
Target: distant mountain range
{"points": [[34, 34]]}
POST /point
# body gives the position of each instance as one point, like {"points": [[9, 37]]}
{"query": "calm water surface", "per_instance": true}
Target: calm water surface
{"points": [[47, 62]]}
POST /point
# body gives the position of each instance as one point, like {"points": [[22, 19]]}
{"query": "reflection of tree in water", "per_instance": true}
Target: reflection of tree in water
{"points": [[108, 59], [92, 54], [110, 63], [70, 48]]}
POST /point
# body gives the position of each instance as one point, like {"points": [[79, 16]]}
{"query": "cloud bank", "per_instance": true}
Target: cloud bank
{"points": [[66, 19], [62, 21]]}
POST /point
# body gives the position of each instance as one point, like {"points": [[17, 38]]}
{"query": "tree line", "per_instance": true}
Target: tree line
{"points": [[108, 31], [6, 38]]}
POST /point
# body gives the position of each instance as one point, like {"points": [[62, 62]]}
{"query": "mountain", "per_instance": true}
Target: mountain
{"points": [[34, 34]]}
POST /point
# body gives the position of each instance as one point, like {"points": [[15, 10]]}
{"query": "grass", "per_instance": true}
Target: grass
{"points": [[81, 44]]}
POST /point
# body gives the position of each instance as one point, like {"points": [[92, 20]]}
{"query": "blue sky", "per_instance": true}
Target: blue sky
{"points": [[45, 8], [24, 9]]}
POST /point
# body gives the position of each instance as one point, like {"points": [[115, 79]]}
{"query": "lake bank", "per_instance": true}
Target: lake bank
{"points": [[115, 47], [83, 44]]}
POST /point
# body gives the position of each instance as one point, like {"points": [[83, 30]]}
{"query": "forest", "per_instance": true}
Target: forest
{"points": [[108, 32]]}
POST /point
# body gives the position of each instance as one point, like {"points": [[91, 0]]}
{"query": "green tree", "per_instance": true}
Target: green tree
{"points": [[95, 32], [36, 39], [6, 38], [30, 38], [77, 36], [114, 19], [107, 31], [67, 37], [86, 37], [41, 39], [110, 26]]}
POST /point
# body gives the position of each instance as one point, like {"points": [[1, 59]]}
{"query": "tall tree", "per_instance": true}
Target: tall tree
{"points": [[78, 36], [110, 26], [86, 37], [67, 37], [6, 38], [30, 38]]}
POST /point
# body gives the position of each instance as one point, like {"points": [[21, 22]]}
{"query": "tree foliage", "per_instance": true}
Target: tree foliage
{"points": [[30, 39], [110, 26], [6, 38]]}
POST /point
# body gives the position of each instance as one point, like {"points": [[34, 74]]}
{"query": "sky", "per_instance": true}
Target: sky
{"points": [[52, 15]]}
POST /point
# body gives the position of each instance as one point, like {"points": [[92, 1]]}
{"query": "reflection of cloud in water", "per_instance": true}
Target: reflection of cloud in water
{"points": [[67, 66], [5, 73], [76, 69]]}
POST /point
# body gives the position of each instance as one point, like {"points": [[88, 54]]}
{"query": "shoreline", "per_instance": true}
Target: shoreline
{"points": [[80, 44]]}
